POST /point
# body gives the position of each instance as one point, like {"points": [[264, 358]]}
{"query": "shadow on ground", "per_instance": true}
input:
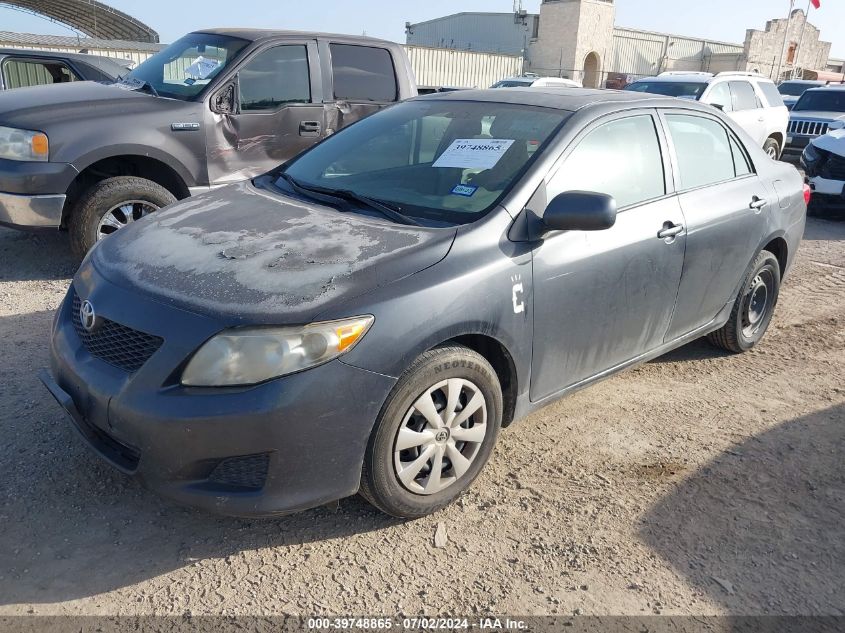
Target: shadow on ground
{"points": [[761, 529], [30, 256], [72, 527]]}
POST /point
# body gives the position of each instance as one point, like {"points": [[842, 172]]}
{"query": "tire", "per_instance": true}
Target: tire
{"points": [[107, 197], [772, 148], [754, 306], [431, 378]]}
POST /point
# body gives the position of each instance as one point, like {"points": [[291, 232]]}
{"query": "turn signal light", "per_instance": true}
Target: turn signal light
{"points": [[40, 145]]}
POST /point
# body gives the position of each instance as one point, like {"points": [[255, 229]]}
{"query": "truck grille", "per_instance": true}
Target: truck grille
{"points": [[808, 128], [115, 344]]}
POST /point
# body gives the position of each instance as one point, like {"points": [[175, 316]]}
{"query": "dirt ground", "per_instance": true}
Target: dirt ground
{"points": [[700, 483]]}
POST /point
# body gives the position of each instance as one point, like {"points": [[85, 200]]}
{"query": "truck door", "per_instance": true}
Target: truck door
{"points": [[279, 113], [362, 81]]}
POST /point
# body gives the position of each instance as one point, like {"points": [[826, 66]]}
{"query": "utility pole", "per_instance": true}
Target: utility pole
{"points": [[785, 40]]}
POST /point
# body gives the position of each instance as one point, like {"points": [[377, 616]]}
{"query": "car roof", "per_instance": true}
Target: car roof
{"points": [[109, 65], [828, 87], [563, 98], [255, 35], [814, 82], [704, 79]]}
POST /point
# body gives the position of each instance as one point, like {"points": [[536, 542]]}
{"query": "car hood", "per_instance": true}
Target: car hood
{"points": [[247, 255], [819, 115], [833, 142], [42, 107]]}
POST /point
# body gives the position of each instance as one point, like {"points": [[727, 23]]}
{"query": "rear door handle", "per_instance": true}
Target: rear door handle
{"points": [[310, 128], [757, 203], [670, 230]]}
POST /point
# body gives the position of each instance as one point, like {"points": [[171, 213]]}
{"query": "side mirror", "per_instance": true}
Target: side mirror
{"points": [[580, 211], [225, 100]]}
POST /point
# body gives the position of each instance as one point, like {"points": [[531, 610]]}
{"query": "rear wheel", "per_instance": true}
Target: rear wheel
{"points": [[772, 148], [753, 308], [111, 205], [434, 434]]}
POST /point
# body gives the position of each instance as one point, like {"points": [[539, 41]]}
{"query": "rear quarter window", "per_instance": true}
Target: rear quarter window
{"points": [[771, 94], [363, 73]]}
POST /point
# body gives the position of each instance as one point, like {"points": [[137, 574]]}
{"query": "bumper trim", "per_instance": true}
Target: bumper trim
{"points": [[37, 212]]}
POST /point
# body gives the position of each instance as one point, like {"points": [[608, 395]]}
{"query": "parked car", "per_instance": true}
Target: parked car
{"points": [[214, 107], [823, 161], [371, 313], [792, 90], [813, 115], [533, 81], [21, 68], [751, 100]]}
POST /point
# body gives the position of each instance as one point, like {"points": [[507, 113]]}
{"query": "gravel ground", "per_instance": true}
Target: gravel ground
{"points": [[700, 483]]}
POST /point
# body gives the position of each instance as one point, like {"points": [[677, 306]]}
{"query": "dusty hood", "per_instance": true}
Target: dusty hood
{"points": [[832, 142], [242, 253]]}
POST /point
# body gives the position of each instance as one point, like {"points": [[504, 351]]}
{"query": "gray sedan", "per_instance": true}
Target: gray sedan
{"points": [[369, 315]]}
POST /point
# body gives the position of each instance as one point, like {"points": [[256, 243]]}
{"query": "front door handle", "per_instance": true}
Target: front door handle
{"points": [[758, 203], [310, 128], [670, 231]]}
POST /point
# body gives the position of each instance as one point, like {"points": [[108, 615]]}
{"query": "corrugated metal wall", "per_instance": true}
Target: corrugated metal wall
{"points": [[461, 69], [481, 32], [18, 74]]}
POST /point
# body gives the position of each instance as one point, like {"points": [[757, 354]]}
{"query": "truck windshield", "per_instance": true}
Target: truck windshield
{"points": [[447, 161], [186, 67], [821, 101], [683, 89]]}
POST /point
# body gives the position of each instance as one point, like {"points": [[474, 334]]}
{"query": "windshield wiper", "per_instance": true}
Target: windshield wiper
{"points": [[320, 193]]}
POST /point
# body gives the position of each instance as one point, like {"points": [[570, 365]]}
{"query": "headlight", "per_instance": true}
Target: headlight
{"points": [[810, 154], [23, 145], [248, 356]]}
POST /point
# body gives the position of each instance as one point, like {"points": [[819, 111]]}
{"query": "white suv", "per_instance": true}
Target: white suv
{"points": [[752, 100]]}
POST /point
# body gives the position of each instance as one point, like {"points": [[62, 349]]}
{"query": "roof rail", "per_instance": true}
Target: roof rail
{"points": [[670, 73], [741, 73]]}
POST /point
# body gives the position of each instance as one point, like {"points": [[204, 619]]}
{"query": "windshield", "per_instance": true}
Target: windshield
{"points": [[795, 89], [821, 100], [684, 89], [447, 161], [513, 83], [186, 67]]}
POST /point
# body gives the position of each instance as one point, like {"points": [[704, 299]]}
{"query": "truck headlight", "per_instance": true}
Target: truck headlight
{"points": [[248, 356], [25, 145]]}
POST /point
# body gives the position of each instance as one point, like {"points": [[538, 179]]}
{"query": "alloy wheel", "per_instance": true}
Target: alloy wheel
{"points": [[440, 436], [122, 215]]}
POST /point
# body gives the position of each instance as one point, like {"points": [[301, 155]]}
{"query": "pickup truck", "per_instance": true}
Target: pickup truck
{"points": [[213, 108]]}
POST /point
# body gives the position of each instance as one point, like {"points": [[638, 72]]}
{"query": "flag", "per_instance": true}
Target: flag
{"points": [[816, 3]]}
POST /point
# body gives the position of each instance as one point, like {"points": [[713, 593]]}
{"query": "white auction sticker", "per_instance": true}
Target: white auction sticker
{"points": [[467, 153]]}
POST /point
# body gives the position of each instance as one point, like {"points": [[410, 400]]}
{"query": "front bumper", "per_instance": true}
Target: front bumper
{"points": [[283, 446], [31, 212]]}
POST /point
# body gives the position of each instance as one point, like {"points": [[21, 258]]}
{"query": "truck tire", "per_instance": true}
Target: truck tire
{"points": [[458, 390], [772, 148], [754, 306], [111, 204]]}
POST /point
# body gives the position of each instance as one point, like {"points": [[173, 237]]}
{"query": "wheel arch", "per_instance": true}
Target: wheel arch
{"points": [[778, 247], [779, 138]]}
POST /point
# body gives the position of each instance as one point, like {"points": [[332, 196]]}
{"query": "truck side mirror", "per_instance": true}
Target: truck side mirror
{"points": [[580, 211], [225, 100]]}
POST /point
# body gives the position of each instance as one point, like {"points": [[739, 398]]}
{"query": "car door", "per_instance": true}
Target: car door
{"points": [[722, 200], [748, 110], [279, 113], [362, 81], [602, 298]]}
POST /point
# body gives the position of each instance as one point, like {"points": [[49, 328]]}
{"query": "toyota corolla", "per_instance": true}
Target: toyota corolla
{"points": [[368, 316]]}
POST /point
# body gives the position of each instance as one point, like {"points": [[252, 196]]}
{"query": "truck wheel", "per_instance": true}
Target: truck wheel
{"points": [[753, 308], [112, 204], [772, 148], [434, 434]]}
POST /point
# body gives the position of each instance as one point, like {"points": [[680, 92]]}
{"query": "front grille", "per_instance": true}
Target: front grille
{"points": [[118, 345], [246, 473], [808, 128], [833, 168]]}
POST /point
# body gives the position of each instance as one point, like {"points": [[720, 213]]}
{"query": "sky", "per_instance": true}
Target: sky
{"points": [[724, 20]]}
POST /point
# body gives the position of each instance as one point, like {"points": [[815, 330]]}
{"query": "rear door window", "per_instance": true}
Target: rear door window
{"points": [[274, 78], [21, 73], [703, 150], [363, 73], [744, 97], [720, 95]]}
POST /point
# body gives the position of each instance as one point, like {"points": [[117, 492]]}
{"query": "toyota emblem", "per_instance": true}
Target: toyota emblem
{"points": [[87, 316]]}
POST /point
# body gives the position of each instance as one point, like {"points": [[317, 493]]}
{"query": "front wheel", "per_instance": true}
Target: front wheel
{"points": [[435, 433], [754, 306], [112, 204], [772, 148]]}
